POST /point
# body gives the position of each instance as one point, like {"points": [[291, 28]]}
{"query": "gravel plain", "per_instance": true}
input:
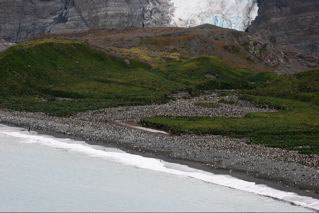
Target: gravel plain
{"points": [[105, 127]]}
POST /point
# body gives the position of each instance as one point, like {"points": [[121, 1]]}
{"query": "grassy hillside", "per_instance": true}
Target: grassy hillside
{"points": [[294, 127], [207, 73], [303, 86], [61, 77]]}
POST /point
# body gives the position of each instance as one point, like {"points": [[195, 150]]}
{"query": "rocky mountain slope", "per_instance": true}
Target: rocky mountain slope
{"points": [[153, 45], [20, 20], [289, 23]]}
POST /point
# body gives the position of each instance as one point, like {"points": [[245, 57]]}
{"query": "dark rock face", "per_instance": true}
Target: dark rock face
{"points": [[289, 23], [23, 19]]}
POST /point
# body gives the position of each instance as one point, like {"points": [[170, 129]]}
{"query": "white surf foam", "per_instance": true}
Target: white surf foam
{"points": [[160, 166]]}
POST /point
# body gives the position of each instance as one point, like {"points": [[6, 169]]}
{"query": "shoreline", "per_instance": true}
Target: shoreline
{"points": [[195, 165], [240, 174], [217, 154], [98, 154]]}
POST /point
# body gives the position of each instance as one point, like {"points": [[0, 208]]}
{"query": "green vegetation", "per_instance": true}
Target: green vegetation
{"points": [[211, 73], [294, 127], [303, 87], [61, 77]]}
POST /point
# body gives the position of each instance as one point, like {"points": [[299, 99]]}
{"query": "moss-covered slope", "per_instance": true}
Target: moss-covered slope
{"points": [[64, 76]]}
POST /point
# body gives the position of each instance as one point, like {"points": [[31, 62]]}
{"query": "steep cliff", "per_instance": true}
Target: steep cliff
{"points": [[289, 23], [22, 19]]}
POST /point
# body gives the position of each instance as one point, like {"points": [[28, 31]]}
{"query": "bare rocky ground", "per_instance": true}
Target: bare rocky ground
{"points": [[102, 127], [182, 106]]}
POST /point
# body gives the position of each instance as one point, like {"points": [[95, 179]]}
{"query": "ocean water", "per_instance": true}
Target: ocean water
{"points": [[43, 173]]}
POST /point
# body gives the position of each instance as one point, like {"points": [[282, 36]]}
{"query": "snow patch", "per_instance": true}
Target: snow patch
{"points": [[142, 128]]}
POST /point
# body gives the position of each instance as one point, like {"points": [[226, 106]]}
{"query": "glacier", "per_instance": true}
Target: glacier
{"points": [[232, 14]]}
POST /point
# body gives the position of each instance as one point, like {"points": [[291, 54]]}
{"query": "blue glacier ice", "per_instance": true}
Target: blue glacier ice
{"points": [[232, 14]]}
